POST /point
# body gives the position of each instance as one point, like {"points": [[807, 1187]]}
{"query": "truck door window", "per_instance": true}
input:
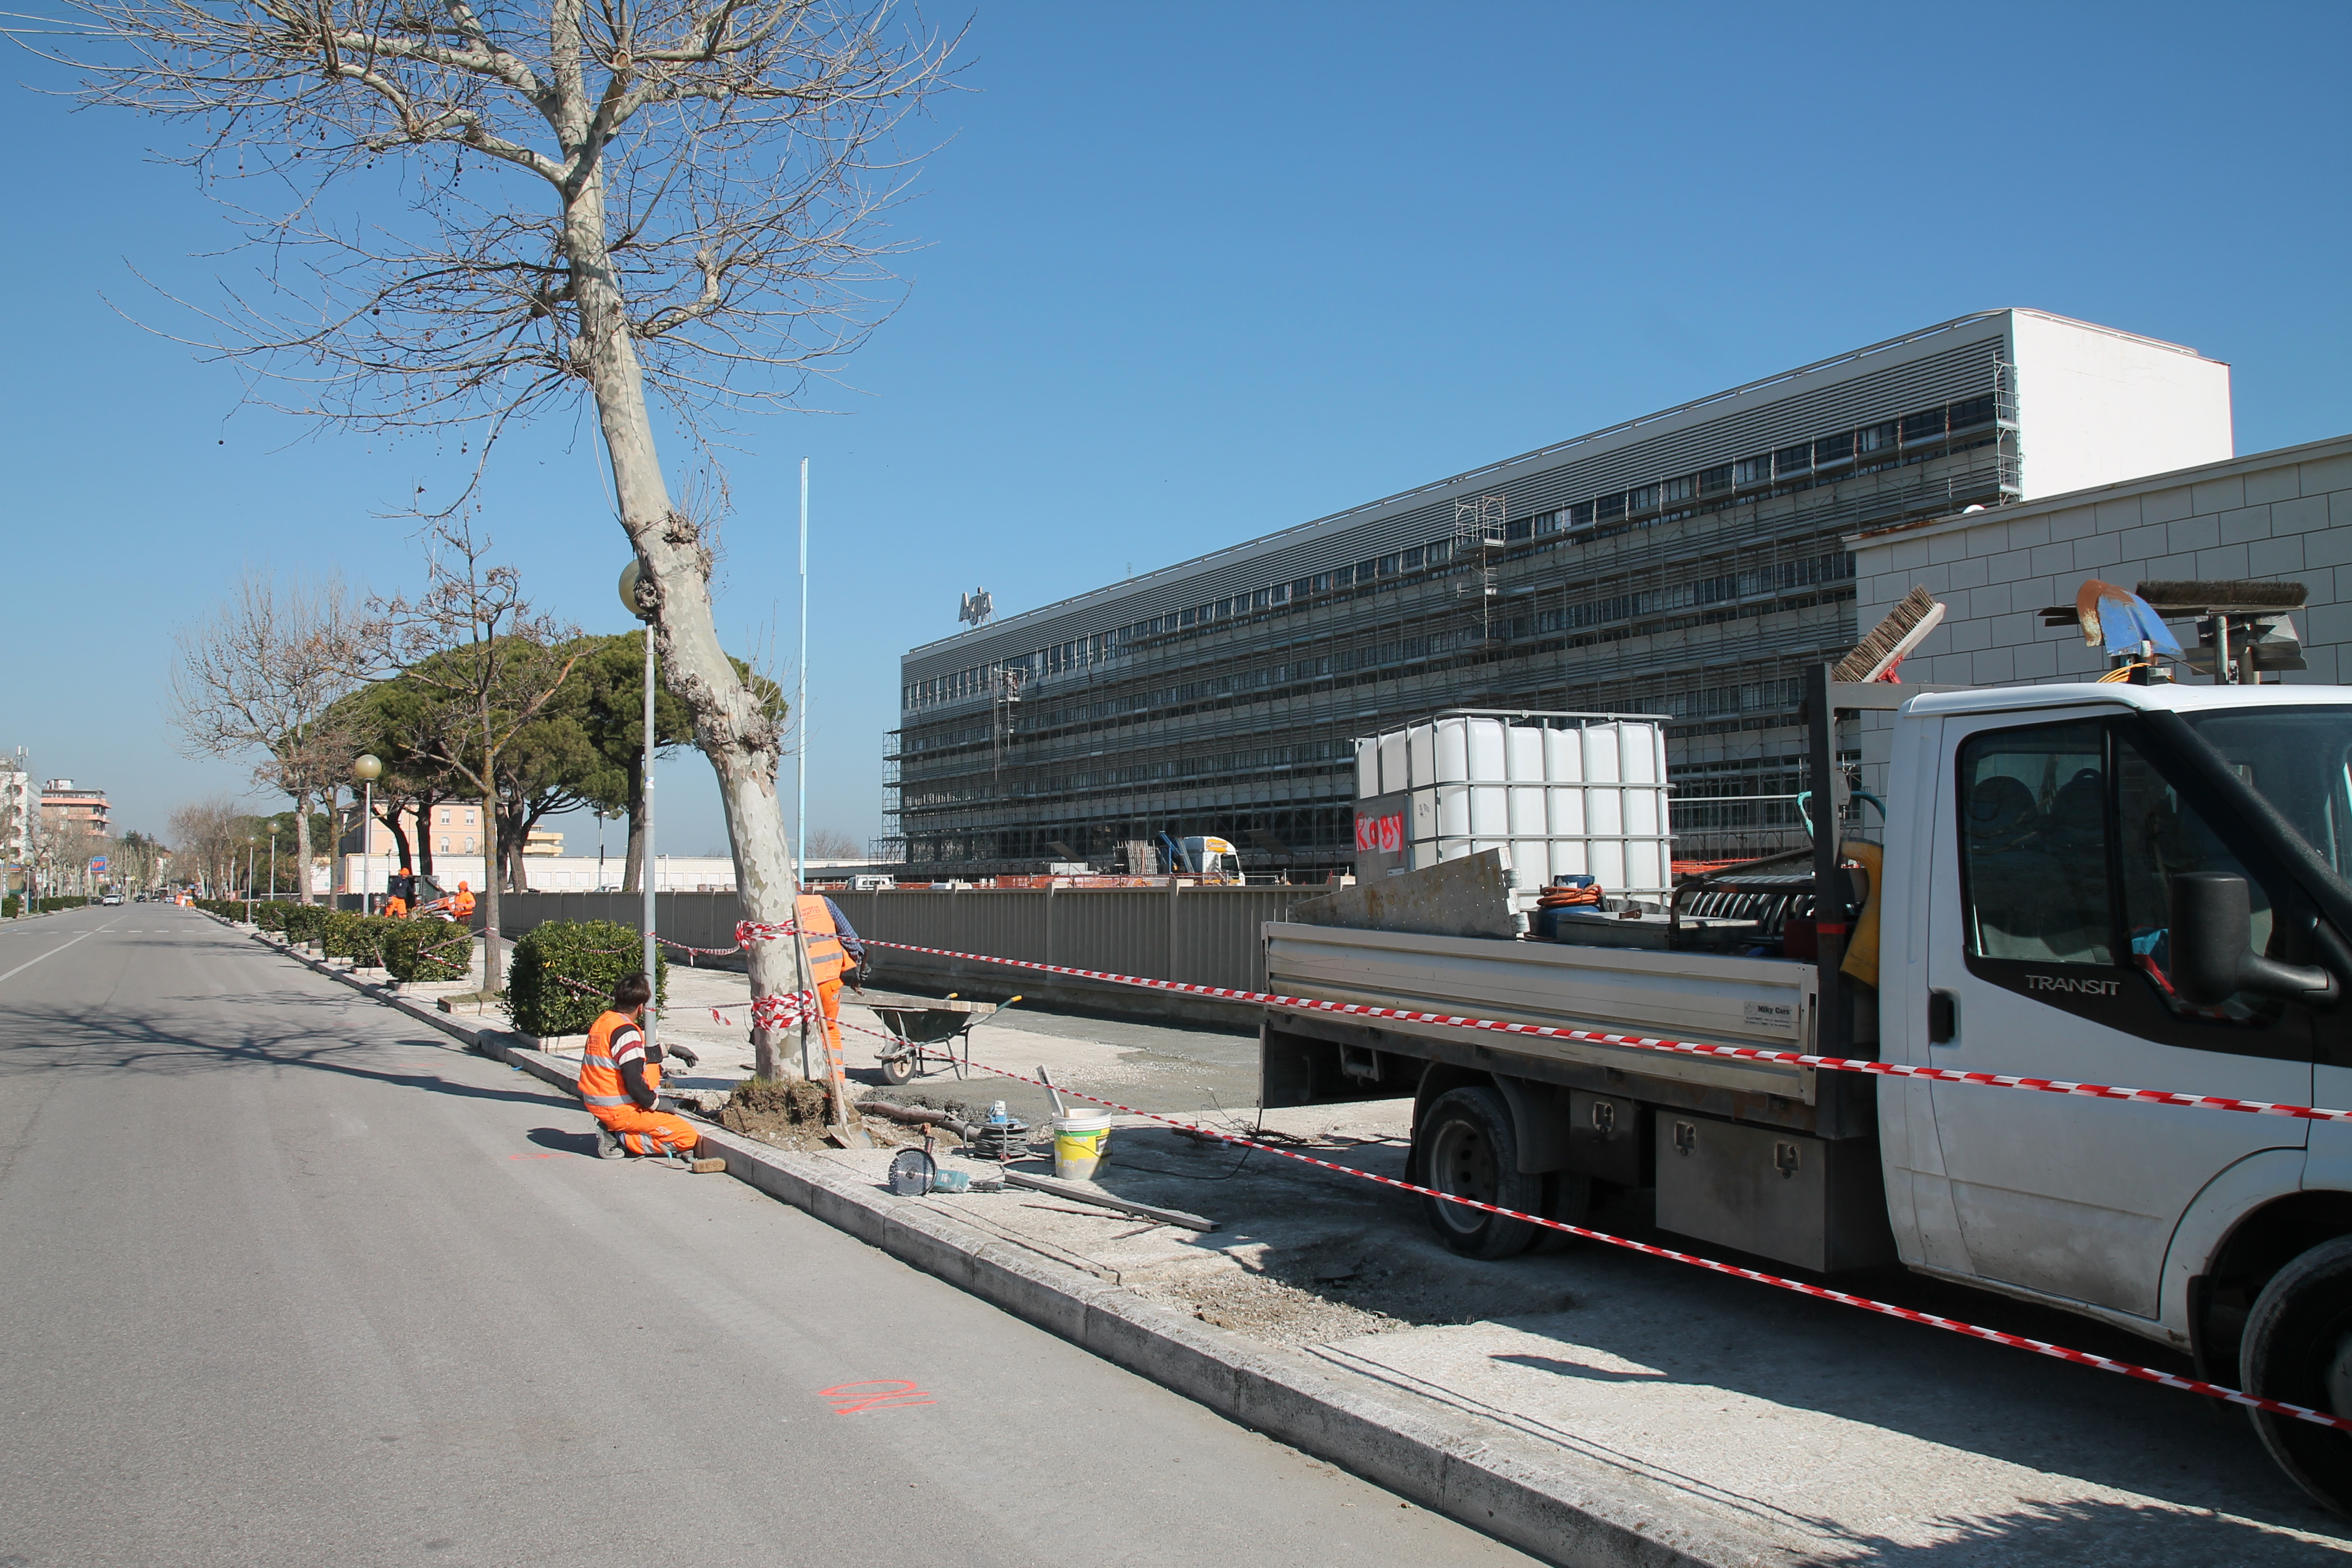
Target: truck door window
{"points": [[2162, 836], [2033, 844]]}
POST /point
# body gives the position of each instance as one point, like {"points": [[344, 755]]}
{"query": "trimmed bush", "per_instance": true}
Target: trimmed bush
{"points": [[269, 915], [427, 950], [302, 923], [70, 902], [564, 973]]}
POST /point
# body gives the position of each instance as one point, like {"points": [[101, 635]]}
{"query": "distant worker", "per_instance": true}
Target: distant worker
{"points": [[395, 907], [833, 950], [620, 1081], [404, 887], [462, 905]]}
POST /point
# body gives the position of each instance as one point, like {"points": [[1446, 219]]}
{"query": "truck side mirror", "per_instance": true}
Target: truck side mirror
{"points": [[2212, 945]]}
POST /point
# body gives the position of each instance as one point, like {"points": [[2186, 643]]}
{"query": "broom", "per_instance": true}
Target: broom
{"points": [[1906, 625]]}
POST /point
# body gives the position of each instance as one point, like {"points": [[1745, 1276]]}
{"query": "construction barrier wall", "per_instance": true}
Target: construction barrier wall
{"points": [[1202, 935]]}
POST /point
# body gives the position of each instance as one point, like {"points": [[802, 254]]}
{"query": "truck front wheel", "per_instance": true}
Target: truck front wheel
{"points": [[2298, 1349], [1467, 1148]]}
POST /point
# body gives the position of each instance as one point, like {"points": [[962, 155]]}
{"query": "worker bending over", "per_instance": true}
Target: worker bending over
{"points": [[620, 1081], [833, 950]]}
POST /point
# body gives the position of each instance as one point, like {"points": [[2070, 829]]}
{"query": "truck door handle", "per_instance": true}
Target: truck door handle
{"points": [[1943, 1018]]}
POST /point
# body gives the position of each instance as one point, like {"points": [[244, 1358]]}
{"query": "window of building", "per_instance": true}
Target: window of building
{"points": [[445, 816], [1875, 438], [1833, 449], [1924, 426], [1224, 608], [1752, 471], [1391, 565], [1262, 598], [1791, 460], [445, 847], [1519, 529], [1715, 480], [1438, 552], [1413, 559], [1366, 570], [1645, 498], [469, 846], [1321, 583], [1580, 514], [1547, 522], [1187, 618], [1975, 410], [1606, 507]]}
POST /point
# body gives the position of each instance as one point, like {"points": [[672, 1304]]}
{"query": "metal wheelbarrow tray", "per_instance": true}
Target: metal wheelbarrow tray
{"points": [[929, 1024]]}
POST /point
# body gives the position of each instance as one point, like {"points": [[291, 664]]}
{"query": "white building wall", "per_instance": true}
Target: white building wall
{"points": [[2280, 516], [2096, 405]]}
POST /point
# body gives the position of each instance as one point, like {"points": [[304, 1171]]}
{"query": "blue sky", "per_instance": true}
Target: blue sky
{"points": [[1190, 274]]}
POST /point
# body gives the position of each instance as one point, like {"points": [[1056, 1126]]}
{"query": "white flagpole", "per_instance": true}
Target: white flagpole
{"points": [[799, 703]]}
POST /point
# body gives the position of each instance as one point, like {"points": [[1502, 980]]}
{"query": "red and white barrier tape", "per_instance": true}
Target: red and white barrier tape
{"points": [[1635, 1042], [1844, 1298]]}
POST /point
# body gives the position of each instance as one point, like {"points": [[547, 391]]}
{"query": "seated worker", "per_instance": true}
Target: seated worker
{"points": [[620, 1081], [462, 906]]}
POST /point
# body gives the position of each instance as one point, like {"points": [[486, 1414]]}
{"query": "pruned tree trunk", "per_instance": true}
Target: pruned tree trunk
{"points": [[731, 728], [302, 847]]}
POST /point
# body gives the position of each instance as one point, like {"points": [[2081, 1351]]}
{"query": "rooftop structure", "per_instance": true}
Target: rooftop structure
{"points": [[1689, 563]]}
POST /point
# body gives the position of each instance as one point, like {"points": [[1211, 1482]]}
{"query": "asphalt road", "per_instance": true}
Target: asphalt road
{"points": [[286, 1278]]}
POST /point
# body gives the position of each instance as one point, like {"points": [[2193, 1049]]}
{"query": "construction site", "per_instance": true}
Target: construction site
{"points": [[1685, 565]]}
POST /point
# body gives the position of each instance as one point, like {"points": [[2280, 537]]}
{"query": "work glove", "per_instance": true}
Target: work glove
{"points": [[683, 1055]]}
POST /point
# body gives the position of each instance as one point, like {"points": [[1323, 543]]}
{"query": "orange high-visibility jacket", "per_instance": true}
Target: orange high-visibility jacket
{"points": [[826, 959], [600, 1070]]}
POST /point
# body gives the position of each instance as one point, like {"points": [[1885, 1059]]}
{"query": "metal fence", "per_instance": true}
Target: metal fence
{"points": [[1202, 935]]}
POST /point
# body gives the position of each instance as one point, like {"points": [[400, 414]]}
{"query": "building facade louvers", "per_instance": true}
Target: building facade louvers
{"points": [[1688, 563]]}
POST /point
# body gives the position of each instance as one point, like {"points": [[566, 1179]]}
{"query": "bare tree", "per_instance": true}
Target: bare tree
{"points": [[261, 673], [678, 201], [494, 660], [831, 844], [204, 838]]}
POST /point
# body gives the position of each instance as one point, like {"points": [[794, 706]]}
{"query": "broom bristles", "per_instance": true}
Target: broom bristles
{"points": [[1908, 613]]}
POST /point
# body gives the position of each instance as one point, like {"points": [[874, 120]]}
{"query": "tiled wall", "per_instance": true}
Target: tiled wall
{"points": [[2283, 516]]}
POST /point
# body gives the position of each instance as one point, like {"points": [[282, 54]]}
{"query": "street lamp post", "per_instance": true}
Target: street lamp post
{"points": [[367, 770], [647, 873]]}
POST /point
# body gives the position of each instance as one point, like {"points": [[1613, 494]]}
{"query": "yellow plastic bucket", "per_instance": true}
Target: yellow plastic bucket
{"points": [[1081, 1143]]}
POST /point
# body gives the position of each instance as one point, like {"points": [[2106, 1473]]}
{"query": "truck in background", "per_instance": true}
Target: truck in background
{"points": [[2131, 881]]}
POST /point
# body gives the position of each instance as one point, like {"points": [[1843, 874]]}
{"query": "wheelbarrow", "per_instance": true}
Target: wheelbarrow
{"points": [[941, 1023]]}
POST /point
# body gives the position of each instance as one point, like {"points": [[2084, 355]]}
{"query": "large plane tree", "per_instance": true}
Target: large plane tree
{"points": [[468, 215]]}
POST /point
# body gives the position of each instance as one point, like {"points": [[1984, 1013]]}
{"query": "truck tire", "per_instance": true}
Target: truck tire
{"points": [[2298, 1348], [1467, 1147]]}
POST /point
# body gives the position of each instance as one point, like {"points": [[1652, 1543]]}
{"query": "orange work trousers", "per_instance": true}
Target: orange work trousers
{"points": [[648, 1132], [828, 1002]]}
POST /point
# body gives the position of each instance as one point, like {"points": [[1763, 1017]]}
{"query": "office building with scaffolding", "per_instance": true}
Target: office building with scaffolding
{"points": [[1689, 563]]}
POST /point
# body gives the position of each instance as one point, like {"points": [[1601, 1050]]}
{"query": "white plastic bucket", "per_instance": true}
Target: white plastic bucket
{"points": [[1081, 1143]]}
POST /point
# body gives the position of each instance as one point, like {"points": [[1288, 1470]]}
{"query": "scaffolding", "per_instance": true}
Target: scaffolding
{"points": [[1705, 611]]}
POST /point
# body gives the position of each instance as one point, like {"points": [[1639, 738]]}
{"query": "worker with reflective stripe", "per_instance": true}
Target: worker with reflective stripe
{"points": [[620, 1081], [833, 949]]}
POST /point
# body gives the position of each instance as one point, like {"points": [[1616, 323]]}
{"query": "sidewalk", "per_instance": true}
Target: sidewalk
{"points": [[1815, 1432]]}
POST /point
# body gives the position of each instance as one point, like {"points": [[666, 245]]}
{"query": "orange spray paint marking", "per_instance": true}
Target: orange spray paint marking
{"points": [[873, 1393]]}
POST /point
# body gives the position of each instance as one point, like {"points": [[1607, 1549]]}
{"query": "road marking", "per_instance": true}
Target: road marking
{"points": [[51, 954], [873, 1393]]}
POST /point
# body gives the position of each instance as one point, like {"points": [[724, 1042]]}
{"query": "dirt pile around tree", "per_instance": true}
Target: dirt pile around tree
{"points": [[790, 1114]]}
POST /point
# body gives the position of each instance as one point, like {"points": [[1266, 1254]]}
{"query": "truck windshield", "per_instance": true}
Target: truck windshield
{"points": [[2298, 759]]}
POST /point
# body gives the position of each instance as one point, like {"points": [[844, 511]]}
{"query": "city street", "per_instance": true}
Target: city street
{"points": [[290, 1278]]}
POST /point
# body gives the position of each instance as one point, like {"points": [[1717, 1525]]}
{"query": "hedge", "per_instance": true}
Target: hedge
{"points": [[563, 973], [302, 923], [427, 950], [269, 915]]}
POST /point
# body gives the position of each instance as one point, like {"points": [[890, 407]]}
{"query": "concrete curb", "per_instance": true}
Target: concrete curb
{"points": [[1563, 1508]]}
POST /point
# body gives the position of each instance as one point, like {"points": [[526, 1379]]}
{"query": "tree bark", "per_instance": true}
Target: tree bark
{"points": [[740, 740], [633, 867], [302, 845]]}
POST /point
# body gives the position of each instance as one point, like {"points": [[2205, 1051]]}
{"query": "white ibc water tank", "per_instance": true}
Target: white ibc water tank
{"points": [[1561, 794]]}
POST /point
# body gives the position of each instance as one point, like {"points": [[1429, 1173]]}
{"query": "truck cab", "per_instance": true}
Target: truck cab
{"points": [[2105, 883]]}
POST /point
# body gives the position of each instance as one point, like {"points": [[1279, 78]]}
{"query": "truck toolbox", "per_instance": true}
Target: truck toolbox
{"points": [[1815, 1202]]}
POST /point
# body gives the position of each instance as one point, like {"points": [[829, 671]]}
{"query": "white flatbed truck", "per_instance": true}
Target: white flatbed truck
{"points": [[2142, 885]]}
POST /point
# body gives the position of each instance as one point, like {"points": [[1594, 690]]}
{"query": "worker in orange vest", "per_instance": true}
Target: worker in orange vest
{"points": [[463, 904], [833, 950], [620, 1081], [395, 907]]}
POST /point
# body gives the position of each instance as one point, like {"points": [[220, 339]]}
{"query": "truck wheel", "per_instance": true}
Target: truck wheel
{"points": [[1467, 1147], [2298, 1348]]}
